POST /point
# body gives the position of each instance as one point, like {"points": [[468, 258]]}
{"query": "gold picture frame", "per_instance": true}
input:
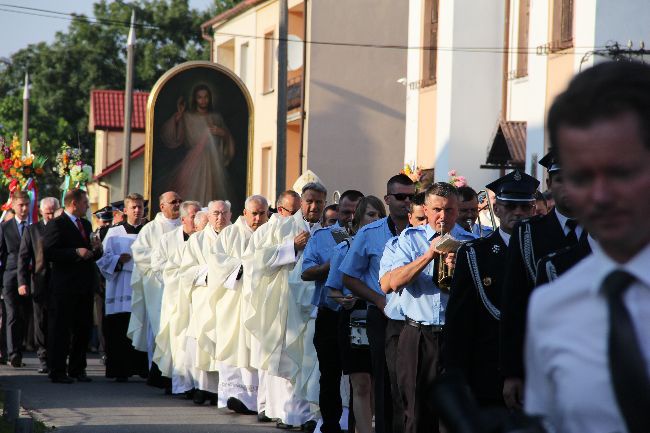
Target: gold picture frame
{"points": [[223, 77]]}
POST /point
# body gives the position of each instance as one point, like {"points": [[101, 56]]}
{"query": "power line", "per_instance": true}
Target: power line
{"points": [[495, 50]]}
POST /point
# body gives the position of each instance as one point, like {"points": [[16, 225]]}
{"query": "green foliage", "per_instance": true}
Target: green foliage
{"points": [[91, 54]]}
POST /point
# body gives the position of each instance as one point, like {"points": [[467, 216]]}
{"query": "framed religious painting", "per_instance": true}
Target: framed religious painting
{"points": [[199, 136]]}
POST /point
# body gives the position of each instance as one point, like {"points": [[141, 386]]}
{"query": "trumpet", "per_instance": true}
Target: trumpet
{"points": [[444, 273]]}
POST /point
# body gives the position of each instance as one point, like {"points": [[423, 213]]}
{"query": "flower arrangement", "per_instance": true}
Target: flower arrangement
{"points": [[414, 173], [17, 168], [71, 167], [456, 180]]}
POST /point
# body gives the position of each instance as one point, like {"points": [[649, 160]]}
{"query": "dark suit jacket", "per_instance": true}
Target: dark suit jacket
{"points": [[546, 236], [555, 264], [32, 266], [69, 273], [9, 247], [471, 343]]}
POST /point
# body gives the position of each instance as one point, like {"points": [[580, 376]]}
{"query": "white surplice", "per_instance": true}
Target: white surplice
{"points": [[278, 317], [229, 337], [169, 350], [193, 309], [118, 283], [145, 285]]}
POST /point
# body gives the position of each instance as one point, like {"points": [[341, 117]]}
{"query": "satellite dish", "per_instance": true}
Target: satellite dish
{"points": [[294, 52]]}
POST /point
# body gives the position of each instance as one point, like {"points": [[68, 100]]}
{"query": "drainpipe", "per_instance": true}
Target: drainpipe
{"points": [[210, 39], [506, 46], [303, 88]]}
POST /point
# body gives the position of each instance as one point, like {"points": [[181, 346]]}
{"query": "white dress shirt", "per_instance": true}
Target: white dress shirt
{"points": [[563, 219], [567, 374]]}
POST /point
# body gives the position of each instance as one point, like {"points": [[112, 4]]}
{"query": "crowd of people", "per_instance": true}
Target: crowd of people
{"points": [[296, 310]]}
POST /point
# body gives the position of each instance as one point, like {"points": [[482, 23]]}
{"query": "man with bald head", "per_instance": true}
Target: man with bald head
{"points": [[279, 306], [166, 262], [194, 301], [147, 287], [238, 384]]}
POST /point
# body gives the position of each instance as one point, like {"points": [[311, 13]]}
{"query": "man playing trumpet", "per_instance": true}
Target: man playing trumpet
{"points": [[423, 303]]}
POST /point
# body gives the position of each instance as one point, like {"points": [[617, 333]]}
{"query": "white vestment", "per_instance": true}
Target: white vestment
{"points": [[118, 283], [146, 287], [229, 336], [193, 309], [169, 351], [278, 318]]}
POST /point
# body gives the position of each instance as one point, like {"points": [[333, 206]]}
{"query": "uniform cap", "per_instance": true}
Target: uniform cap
{"points": [[550, 162], [515, 186], [105, 213]]}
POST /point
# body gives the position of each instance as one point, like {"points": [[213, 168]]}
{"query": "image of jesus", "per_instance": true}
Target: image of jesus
{"points": [[210, 148]]}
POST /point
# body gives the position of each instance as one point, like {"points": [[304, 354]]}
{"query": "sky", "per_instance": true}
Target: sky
{"points": [[17, 30]]}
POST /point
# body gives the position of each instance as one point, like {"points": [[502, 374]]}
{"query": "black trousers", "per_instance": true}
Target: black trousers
{"points": [[393, 330], [418, 354], [70, 321], [329, 363], [39, 307], [3, 331], [122, 360], [376, 328], [16, 308]]}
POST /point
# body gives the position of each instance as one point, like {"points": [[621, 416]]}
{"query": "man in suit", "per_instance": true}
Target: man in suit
{"points": [[68, 248], [33, 274], [531, 240], [16, 301], [472, 318]]}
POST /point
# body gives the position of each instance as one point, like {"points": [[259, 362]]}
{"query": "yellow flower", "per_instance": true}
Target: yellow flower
{"points": [[17, 163], [27, 161], [12, 171]]}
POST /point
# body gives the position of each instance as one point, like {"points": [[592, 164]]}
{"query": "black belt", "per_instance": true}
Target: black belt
{"points": [[423, 327]]}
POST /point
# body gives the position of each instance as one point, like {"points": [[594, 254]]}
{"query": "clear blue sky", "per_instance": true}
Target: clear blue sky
{"points": [[17, 30]]}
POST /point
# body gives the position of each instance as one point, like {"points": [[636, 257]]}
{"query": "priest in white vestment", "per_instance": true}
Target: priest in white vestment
{"points": [[238, 382], [194, 300], [166, 261], [279, 306], [146, 285], [116, 265]]}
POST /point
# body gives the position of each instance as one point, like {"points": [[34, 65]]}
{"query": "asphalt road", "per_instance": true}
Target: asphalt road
{"points": [[104, 406]]}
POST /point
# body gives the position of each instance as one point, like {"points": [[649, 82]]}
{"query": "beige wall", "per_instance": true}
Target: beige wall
{"points": [[427, 128], [355, 108]]}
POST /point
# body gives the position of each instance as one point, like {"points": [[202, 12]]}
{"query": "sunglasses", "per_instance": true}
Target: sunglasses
{"points": [[175, 202], [513, 206], [292, 212], [402, 197]]}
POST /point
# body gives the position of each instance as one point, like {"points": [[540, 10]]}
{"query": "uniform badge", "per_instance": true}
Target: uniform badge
{"points": [[517, 176], [496, 248], [487, 281]]}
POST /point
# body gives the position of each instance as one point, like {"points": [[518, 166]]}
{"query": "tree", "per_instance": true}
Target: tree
{"points": [[91, 55]]}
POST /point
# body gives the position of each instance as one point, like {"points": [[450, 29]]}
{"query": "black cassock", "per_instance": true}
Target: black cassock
{"points": [[122, 359]]}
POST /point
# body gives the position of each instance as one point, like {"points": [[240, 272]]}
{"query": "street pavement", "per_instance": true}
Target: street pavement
{"points": [[104, 406]]}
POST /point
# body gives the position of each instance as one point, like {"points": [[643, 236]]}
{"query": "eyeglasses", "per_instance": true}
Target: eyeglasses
{"points": [[220, 213], [175, 202], [291, 212], [401, 196], [512, 206]]}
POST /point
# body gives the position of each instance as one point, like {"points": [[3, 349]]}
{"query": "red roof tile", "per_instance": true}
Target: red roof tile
{"points": [[107, 110]]}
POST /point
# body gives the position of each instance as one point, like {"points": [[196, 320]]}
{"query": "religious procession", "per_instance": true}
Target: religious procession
{"points": [[283, 269]]}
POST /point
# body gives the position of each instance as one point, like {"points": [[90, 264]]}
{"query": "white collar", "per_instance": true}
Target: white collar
{"points": [[505, 236], [637, 266], [72, 217], [562, 218]]}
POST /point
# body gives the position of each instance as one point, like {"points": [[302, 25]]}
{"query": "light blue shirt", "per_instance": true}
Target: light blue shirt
{"points": [[476, 230], [387, 264], [422, 300], [318, 251], [362, 261], [335, 276]]}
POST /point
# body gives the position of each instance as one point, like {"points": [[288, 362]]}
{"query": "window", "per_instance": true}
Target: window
{"points": [[269, 63], [562, 25], [430, 57], [522, 38], [243, 63], [267, 172]]}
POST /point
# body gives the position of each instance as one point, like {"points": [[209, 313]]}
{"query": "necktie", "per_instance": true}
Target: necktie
{"points": [[21, 228], [81, 230], [626, 362], [572, 237]]}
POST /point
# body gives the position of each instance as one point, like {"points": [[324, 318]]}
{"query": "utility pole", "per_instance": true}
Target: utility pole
{"points": [[25, 113], [128, 107], [281, 145]]}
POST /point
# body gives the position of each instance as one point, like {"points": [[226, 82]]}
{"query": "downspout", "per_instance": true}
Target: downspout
{"points": [[504, 78], [210, 39], [303, 88]]}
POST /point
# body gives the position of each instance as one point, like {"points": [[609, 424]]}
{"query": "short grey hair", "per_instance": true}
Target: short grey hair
{"points": [[199, 215], [225, 202], [285, 194], [314, 186], [186, 205], [258, 199], [50, 201]]}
